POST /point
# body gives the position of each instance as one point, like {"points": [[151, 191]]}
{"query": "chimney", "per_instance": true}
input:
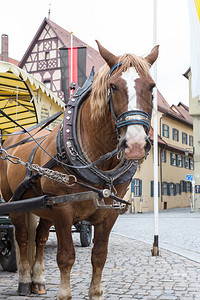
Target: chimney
{"points": [[4, 47]]}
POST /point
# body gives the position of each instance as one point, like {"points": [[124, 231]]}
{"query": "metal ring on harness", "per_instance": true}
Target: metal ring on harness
{"points": [[73, 180]]}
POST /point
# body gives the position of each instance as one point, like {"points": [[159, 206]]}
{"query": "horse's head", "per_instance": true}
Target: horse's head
{"points": [[130, 87]]}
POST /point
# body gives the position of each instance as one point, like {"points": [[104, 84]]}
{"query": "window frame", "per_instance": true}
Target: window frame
{"points": [[173, 157], [184, 138], [175, 134], [172, 189], [136, 187], [164, 188], [187, 162], [179, 159], [165, 132], [178, 188], [163, 156], [191, 163], [191, 140]]}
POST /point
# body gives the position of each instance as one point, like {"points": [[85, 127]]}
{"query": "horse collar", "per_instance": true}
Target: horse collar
{"points": [[70, 152]]}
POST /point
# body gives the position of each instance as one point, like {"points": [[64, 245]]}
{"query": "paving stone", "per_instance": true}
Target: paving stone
{"points": [[130, 272]]}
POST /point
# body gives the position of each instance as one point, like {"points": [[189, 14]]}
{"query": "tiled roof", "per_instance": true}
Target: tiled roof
{"points": [[12, 61], [179, 112], [184, 112], [162, 103], [93, 57]]}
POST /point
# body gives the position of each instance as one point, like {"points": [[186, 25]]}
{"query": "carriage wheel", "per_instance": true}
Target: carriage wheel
{"points": [[85, 234], [8, 253]]}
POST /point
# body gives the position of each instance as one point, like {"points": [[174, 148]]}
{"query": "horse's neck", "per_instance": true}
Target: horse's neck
{"points": [[98, 136]]}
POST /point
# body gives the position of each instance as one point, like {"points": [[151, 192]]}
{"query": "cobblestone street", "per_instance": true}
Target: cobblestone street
{"points": [[130, 272]]}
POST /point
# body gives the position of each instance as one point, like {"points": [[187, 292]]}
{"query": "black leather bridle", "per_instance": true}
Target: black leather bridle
{"points": [[129, 117]]}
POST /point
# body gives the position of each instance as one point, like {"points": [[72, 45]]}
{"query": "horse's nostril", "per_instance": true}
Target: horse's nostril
{"points": [[123, 145], [148, 145]]}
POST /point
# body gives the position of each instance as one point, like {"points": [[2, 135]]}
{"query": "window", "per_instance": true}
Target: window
{"points": [[187, 162], [136, 187], [185, 188], [173, 157], [191, 164], [189, 186], [164, 188], [182, 186], [179, 161], [48, 83], [191, 140], [171, 189], [47, 55], [163, 155], [184, 138], [178, 188], [175, 134], [165, 130]]}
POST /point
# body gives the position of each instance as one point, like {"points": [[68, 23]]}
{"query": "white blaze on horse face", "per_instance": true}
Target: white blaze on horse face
{"points": [[135, 135]]}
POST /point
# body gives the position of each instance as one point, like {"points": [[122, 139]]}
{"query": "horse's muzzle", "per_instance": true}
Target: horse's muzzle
{"points": [[124, 145]]}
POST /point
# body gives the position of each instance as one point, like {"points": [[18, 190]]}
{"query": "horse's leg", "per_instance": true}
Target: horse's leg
{"points": [[99, 254], [63, 220], [42, 234], [21, 235]]}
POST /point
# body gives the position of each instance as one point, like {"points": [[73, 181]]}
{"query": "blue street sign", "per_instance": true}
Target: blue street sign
{"points": [[189, 178]]}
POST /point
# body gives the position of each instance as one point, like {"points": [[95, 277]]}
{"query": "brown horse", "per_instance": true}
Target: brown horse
{"points": [[114, 115]]}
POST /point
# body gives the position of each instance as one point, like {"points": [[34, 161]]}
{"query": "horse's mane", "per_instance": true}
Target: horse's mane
{"points": [[101, 79]]}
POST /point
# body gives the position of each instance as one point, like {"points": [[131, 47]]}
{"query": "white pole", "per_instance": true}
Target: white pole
{"points": [[155, 250], [193, 190], [71, 58]]}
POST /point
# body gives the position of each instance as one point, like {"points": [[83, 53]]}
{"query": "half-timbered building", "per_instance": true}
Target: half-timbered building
{"points": [[42, 58]]}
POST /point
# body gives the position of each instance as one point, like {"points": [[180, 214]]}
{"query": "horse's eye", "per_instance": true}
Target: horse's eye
{"points": [[151, 86], [113, 87]]}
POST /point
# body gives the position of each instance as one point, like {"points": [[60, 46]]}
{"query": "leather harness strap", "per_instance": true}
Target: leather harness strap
{"points": [[69, 152], [42, 125], [69, 149]]}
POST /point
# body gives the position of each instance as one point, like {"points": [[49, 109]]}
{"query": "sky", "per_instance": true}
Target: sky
{"points": [[122, 26]]}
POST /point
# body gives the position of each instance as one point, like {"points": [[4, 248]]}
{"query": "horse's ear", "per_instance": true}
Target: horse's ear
{"points": [[153, 55], [110, 58]]}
